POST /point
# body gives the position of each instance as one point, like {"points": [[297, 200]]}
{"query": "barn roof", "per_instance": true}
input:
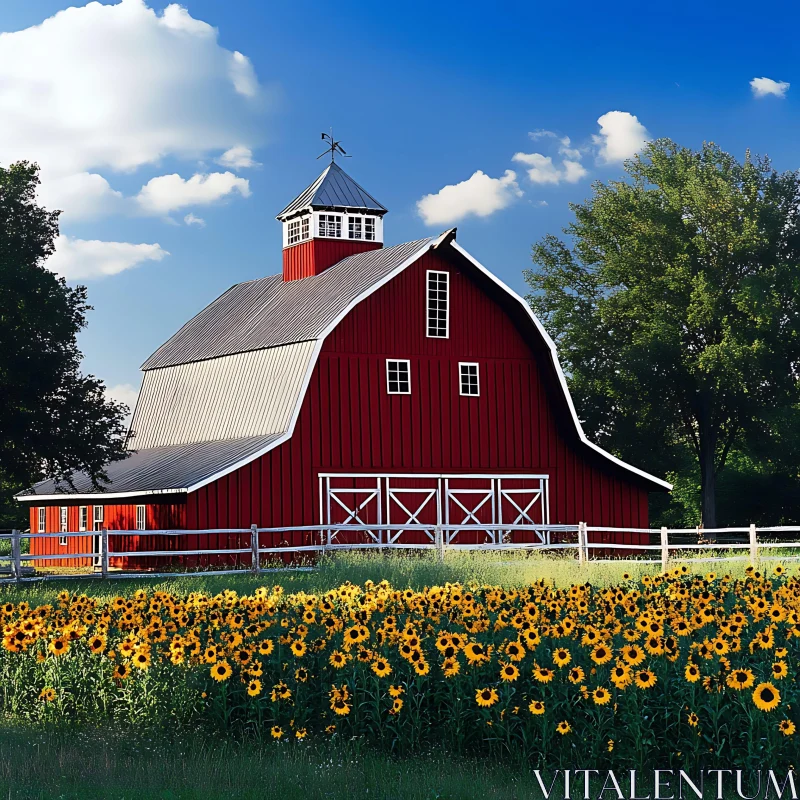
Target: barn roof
{"points": [[270, 311], [159, 470], [333, 189]]}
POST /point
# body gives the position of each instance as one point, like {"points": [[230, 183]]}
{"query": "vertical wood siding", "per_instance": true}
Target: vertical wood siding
{"points": [[314, 256]]}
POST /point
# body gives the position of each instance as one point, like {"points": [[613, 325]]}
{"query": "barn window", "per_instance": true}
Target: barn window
{"points": [[355, 227], [438, 304], [330, 225], [369, 229], [305, 228], [62, 519], [42, 526], [97, 517], [398, 376], [141, 518], [297, 230], [83, 518], [469, 379]]}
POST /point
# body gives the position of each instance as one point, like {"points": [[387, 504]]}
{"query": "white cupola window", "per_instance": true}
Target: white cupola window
{"points": [[297, 230], [330, 226]]}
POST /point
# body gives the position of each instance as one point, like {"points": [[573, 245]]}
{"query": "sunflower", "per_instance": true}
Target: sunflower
{"points": [[601, 654], [422, 667], [97, 643], [576, 675], [451, 667], [543, 674], [301, 675], [633, 655], [298, 647], [121, 672], [266, 647], [58, 646], [47, 695], [340, 707], [621, 676], [337, 659], [381, 668], [779, 670], [692, 673], [601, 696], [515, 651], [562, 657], [486, 698], [787, 727], [221, 671], [766, 697], [645, 679], [475, 653], [563, 728], [536, 707], [509, 673], [254, 688], [740, 679], [397, 706], [141, 660], [396, 691], [276, 731]]}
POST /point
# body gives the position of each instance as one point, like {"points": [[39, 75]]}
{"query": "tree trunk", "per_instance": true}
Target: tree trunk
{"points": [[708, 473]]}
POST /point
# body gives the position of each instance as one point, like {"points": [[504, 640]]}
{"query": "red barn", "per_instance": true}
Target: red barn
{"points": [[363, 384]]}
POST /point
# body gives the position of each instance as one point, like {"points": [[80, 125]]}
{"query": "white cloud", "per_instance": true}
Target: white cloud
{"points": [[621, 136], [765, 86], [541, 133], [170, 192], [191, 219], [77, 259], [238, 157], [567, 151], [541, 169], [479, 195], [117, 87], [124, 393]]}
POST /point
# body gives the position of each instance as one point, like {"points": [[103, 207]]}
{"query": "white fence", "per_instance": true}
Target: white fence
{"points": [[386, 538]]}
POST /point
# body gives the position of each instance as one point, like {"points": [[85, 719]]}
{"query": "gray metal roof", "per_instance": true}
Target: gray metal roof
{"points": [[334, 188], [162, 468], [270, 311]]}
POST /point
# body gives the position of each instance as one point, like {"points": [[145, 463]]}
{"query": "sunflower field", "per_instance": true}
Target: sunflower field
{"points": [[669, 670]]}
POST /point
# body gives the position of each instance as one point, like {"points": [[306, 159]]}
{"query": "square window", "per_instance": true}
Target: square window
{"points": [[469, 381], [141, 518], [398, 376], [438, 304], [355, 227], [62, 541], [330, 225]]}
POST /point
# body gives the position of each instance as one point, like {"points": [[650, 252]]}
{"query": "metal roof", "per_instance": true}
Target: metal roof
{"points": [[160, 469], [334, 188], [270, 311]]}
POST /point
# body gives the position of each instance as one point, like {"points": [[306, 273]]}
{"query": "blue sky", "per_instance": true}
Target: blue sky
{"points": [[423, 95]]}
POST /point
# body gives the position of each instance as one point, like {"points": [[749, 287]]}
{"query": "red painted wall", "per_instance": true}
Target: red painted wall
{"points": [[348, 422], [312, 257], [159, 516]]}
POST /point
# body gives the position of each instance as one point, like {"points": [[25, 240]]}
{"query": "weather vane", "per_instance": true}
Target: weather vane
{"points": [[333, 147]]}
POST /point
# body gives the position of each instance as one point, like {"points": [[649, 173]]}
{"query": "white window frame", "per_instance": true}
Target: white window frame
{"points": [[397, 361], [63, 519], [296, 230], [327, 219], [83, 517], [355, 228], [141, 525], [370, 229], [463, 372], [41, 519], [429, 306], [97, 518]]}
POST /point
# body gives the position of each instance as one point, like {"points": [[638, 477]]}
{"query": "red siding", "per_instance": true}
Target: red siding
{"points": [[312, 257], [348, 422]]}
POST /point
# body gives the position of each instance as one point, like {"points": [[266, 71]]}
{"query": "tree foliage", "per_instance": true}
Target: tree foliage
{"points": [[676, 310], [53, 420]]}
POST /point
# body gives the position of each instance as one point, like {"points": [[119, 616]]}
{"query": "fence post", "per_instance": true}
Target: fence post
{"points": [[753, 545], [582, 541], [104, 552], [438, 537], [255, 556], [664, 549], [15, 555]]}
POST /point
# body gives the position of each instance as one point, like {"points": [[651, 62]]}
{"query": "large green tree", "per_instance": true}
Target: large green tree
{"points": [[675, 305], [53, 419]]}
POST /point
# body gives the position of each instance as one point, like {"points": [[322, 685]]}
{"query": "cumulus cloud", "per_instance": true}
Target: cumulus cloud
{"points": [[479, 195], [566, 149], [238, 157], [124, 393], [541, 169], [79, 259], [621, 136], [191, 219], [170, 192], [114, 88], [765, 86]]}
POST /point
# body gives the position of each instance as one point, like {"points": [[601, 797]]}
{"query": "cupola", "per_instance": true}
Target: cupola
{"points": [[330, 220]]}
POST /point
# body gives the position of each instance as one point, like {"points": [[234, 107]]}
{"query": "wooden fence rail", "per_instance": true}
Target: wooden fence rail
{"points": [[440, 540]]}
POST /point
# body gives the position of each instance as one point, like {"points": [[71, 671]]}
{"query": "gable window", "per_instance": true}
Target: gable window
{"points": [[97, 517], [141, 518], [42, 521], [330, 225], [438, 304], [398, 376], [369, 229], [83, 518], [355, 227], [469, 379]]}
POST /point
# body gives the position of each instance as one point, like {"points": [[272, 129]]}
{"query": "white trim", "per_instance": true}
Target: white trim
{"points": [[428, 274], [144, 517], [41, 519], [83, 511], [477, 378], [63, 519], [31, 498], [408, 370]]}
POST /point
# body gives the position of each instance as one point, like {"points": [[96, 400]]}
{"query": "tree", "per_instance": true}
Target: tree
{"points": [[53, 420], [676, 307]]}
